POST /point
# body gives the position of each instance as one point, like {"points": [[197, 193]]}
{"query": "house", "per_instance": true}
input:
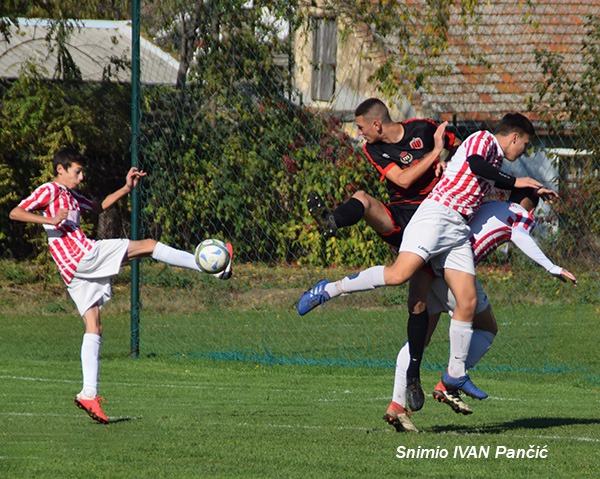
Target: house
{"points": [[490, 65], [94, 44]]}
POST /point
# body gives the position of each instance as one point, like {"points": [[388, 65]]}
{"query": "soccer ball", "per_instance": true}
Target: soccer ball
{"points": [[212, 256]]}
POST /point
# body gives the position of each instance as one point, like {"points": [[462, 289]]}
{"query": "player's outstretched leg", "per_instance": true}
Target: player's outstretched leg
{"points": [[463, 384], [397, 417], [313, 298], [92, 407], [322, 214], [452, 398]]}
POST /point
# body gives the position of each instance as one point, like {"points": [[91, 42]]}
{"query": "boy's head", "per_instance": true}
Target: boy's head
{"points": [[513, 133], [526, 197], [370, 116], [66, 157]]}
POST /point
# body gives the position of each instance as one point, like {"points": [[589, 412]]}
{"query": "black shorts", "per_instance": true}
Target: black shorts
{"points": [[400, 216]]}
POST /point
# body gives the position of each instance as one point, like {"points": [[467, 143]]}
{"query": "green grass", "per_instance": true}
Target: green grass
{"points": [[186, 415]]}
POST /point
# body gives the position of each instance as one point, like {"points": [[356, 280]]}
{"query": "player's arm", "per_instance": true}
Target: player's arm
{"points": [[404, 178], [523, 240], [131, 182], [501, 180], [24, 216]]}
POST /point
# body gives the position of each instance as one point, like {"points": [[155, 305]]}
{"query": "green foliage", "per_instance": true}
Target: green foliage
{"points": [[230, 156], [235, 176], [38, 117]]}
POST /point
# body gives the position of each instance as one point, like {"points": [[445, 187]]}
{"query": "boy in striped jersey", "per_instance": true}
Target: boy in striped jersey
{"points": [[87, 265], [494, 224], [438, 233]]}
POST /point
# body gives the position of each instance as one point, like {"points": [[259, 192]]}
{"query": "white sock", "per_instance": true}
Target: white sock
{"points": [[90, 363], [460, 339], [481, 342], [174, 257], [370, 278], [402, 362]]}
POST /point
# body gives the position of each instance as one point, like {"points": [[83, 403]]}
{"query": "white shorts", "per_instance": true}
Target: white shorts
{"points": [[91, 284], [440, 235], [441, 300]]}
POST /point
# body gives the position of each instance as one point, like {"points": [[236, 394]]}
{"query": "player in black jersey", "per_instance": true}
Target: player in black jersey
{"points": [[402, 154]]}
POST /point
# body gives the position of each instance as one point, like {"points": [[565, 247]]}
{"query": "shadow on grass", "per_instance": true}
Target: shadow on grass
{"points": [[123, 419], [523, 423]]}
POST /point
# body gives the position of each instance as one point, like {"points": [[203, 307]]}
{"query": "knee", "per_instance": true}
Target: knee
{"points": [[363, 197], [416, 305], [394, 275]]}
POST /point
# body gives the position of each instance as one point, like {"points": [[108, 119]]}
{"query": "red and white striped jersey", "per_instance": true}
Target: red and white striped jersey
{"points": [[460, 189], [497, 222], [67, 242]]}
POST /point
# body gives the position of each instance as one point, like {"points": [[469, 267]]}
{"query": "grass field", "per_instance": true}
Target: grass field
{"points": [[181, 417]]}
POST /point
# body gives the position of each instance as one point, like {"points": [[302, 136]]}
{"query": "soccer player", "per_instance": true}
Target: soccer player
{"points": [[403, 154], [438, 233], [87, 265], [494, 224]]}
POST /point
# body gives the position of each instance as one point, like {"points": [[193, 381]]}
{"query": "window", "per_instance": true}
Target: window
{"points": [[324, 51]]}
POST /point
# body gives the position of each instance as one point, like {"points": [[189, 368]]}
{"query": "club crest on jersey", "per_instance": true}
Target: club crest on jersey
{"points": [[416, 143], [405, 158]]}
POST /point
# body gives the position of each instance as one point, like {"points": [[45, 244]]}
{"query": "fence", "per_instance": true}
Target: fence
{"points": [[243, 108], [260, 115]]}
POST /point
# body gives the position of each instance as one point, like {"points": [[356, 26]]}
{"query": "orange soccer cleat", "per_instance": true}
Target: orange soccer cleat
{"points": [[92, 407]]}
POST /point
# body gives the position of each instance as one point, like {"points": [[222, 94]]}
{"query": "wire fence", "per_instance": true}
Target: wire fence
{"points": [[245, 107], [262, 113]]}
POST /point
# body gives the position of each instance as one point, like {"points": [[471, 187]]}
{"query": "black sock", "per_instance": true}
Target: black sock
{"points": [[349, 213], [418, 323]]}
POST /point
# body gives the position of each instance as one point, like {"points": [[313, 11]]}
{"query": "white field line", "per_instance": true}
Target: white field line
{"points": [[229, 388], [287, 426]]}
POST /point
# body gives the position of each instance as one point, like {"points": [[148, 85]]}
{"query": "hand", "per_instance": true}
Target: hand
{"points": [[61, 215], [526, 182], [440, 168], [133, 177], [547, 194], [564, 275], [438, 136]]}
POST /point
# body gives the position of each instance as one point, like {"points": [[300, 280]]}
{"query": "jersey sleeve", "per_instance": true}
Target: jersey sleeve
{"points": [[39, 199], [449, 139], [521, 238]]}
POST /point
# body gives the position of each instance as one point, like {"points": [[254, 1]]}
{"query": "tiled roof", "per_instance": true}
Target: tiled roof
{"points": [[91, 45], [505, 40]]}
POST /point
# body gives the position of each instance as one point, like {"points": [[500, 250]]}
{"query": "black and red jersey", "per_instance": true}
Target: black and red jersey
{"points": [[414, 145]]}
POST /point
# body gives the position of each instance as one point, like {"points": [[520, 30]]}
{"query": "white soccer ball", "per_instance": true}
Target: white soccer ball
{"points": [[212, 256]]}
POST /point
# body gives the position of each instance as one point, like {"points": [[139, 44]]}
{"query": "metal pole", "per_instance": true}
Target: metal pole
{"points": [[135, 195]]}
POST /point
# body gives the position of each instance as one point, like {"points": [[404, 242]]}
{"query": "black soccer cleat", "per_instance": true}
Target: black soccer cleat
{"points": [[415, 397], [322, 215]]}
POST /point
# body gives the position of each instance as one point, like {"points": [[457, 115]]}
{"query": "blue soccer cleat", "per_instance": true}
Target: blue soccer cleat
{"points": [[463, 384], [313, 298]]}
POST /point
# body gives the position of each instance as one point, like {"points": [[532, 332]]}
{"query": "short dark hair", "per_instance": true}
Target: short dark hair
{"points": [[519, 194], [66, 156], [514, 123], [375, 108]]}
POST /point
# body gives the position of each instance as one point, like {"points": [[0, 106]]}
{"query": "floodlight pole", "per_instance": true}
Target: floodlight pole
{"points": [[135, 194]]}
